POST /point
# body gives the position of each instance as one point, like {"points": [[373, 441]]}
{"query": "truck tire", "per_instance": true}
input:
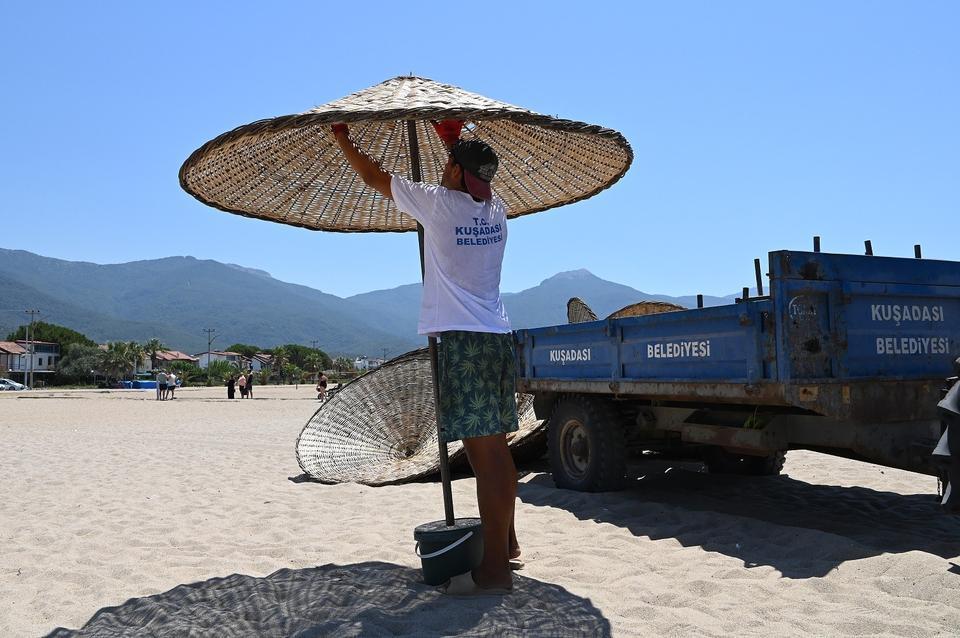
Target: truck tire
{"points": [[719, 461], [587, 445]]}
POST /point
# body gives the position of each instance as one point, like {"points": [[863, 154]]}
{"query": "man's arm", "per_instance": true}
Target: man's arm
{"points": [[367, 168]]}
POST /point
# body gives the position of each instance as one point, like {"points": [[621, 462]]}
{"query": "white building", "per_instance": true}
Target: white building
{"points": [[361, 364], [204, 358], [16, 358], [260, 361]]}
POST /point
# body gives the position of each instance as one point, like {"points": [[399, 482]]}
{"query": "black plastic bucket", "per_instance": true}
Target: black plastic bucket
{"points": [[447, 551]]}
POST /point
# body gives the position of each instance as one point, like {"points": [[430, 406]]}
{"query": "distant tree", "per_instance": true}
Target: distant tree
{"points": [[280, 358], [291, 371], [43, 331], [115, 361], [136, 352], [342, 364], [218, 371], [297, 355], [79, 362], [188, 373], [244, 349], [151, 348], [313, 364]]}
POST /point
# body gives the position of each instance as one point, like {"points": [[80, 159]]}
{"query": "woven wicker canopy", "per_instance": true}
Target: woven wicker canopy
{"points": [[530, 439], [578, 311], [290, 170], [378, 429], [645, 308], [381, 428]]}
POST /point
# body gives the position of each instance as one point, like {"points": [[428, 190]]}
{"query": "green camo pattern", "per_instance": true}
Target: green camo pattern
{"points": [[477, 384]]}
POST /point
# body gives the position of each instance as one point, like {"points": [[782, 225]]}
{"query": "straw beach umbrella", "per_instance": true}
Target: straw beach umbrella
{"points": [[578, 311], [381, 428], [378, 429], [290, 169], [642, 308]]}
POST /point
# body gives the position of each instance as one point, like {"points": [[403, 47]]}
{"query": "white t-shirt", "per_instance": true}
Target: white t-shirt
{"points": [[463, 254]]}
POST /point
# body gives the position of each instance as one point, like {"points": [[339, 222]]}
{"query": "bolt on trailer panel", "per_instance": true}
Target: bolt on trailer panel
{"points": [[725, 343]]}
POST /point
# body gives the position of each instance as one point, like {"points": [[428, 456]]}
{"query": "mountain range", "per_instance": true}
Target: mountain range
{"points": [[176, 298]]}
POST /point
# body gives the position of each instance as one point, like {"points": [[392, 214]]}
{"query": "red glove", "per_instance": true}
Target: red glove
{"points": [[448, 131], [339, 127]]}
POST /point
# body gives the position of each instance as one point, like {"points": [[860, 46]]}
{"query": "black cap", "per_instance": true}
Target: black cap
{"points": [[479, 164]]}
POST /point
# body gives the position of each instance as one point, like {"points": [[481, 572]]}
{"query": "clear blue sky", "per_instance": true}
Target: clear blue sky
{"points": [[755, 126]]}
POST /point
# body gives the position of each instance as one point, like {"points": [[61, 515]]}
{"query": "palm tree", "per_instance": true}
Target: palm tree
{"points": [[186, 371], [312, 363], [342, 364], [136, 352], [281, 357], [291, 371], [116, 360], [152, 347], [219, 370]]}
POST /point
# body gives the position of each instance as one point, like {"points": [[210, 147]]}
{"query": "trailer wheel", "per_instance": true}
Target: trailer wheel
{"points": [[587, 446], [719, 461]]}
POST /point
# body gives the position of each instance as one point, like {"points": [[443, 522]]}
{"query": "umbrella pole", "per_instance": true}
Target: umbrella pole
{"points": [[417, 176]]}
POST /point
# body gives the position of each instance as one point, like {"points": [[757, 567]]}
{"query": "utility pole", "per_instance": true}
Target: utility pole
{"points": [[30, 348], [314, 342], [211, 335]]}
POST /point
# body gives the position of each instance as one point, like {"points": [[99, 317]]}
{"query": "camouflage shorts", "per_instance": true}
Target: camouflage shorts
{"points": [[477, 384]]}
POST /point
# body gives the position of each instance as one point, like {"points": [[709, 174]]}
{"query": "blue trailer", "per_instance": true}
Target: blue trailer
{"points": [[848, 355]]}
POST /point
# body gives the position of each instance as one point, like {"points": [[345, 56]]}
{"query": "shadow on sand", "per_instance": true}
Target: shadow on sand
{"points": [[363, 599], [755, 518]]}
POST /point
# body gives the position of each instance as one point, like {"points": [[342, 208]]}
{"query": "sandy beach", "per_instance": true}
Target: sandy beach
{"points": [[121, 515]]}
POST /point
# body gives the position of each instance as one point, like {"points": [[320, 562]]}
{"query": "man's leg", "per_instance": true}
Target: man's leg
{"points": [[496, 492]]}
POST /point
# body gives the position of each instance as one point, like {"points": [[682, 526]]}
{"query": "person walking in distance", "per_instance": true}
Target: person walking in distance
{"points": [[242, 384], [465, 233], [322, 387], [250, 385]]}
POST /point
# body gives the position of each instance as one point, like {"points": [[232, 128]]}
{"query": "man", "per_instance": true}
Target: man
{"points": [[464, 236], [171, 384], [161, 385], [322, 387]]}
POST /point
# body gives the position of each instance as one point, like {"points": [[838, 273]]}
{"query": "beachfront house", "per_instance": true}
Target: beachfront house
{"points": [[261, 361], [15, 358], [166, 357], [204, 358], [12, 359]]}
